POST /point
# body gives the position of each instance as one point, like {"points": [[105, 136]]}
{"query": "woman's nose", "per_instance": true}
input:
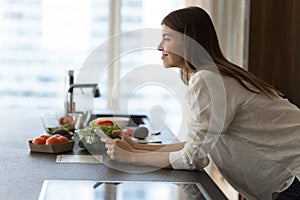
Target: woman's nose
{"points": [[160, 47]]}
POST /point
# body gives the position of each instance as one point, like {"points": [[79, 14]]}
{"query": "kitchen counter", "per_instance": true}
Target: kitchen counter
{"points": [[23, 172]]}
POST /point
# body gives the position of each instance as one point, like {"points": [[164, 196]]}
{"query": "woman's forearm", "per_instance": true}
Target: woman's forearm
{"points": [[160, 147], [156, 159]]}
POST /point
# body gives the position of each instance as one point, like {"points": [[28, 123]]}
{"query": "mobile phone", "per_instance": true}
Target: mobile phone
{"points": [[100, 133]]}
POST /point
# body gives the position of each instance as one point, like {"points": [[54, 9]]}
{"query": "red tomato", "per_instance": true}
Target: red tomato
{"points": [[53, 140], [66, 120], [56, 135], [63, 139], [38, 140], [44, 137], [104, 123]]}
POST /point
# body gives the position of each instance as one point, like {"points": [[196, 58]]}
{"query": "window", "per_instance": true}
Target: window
{"points": [[39, 41]]}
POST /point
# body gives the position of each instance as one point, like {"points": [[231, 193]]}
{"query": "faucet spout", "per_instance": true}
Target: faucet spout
{"points": [[70, 104]]}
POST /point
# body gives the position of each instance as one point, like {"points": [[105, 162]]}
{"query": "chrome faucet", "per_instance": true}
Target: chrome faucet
{"points": [[70, 104]]}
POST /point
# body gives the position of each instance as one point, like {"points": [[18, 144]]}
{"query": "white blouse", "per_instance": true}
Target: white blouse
{"points": [[253, 140]]}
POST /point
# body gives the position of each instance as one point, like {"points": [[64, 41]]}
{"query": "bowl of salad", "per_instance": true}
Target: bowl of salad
{"points": [[121, 122]]}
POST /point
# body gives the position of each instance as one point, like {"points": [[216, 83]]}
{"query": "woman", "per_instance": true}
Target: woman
{"points": [[249, 130]]}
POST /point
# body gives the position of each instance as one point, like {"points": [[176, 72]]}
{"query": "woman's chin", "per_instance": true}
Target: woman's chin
{"points": [[170, 66], [167, 65]]}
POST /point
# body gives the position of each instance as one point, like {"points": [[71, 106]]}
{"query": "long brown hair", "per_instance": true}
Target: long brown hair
{"points": [[196, 24]]}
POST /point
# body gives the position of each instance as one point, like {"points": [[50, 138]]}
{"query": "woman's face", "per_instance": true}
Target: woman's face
{"points": [[171, 47]]}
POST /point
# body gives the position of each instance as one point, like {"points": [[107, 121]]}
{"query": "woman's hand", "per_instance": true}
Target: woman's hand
{"points": [[123, 150], [127, 150], [128, 139], [119, 149]]}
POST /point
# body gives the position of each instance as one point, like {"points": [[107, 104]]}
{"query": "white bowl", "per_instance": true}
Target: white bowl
{"points": [[122, 122]]}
